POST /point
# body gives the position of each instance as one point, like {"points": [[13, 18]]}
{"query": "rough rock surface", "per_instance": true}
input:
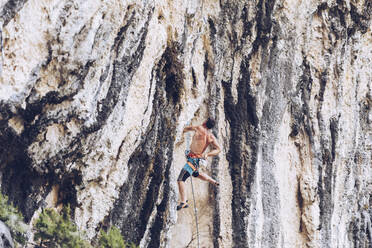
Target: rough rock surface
{"points": [[94, 96], [5, 236]]}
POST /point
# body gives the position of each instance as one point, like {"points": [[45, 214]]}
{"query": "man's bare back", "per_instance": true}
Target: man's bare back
{"points": [[199, 141]]}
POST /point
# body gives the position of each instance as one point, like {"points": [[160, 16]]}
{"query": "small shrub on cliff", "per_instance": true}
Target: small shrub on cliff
{"points": [[54, 230], [113, 239], [13, 219]]}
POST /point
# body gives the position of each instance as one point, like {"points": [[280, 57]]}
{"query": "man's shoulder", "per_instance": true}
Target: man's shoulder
{"points": [[210, 136]]}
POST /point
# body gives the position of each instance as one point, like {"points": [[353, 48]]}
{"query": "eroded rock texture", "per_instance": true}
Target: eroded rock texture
{"points": [[94, 96], [5, 236]]}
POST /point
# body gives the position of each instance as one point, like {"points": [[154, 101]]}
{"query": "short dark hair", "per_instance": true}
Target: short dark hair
{"points": [[210, 123]]}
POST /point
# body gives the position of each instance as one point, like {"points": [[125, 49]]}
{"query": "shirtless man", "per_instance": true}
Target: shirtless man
{"points": [[200, 141]]}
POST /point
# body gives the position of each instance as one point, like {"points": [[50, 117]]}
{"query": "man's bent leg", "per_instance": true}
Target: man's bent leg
{"points": [[207, 178]]}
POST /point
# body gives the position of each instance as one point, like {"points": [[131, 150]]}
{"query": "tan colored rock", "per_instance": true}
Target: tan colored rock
{"points": [[94, 96]]}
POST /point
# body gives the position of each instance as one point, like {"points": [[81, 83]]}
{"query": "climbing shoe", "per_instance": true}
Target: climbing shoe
{"points": [[182, 205]]}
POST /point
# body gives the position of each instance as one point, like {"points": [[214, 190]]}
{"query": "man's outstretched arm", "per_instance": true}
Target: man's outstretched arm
{"points": [[189, 128]]}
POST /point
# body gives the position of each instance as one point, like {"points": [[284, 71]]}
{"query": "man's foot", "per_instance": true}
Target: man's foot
{"points": [[182, 205]]}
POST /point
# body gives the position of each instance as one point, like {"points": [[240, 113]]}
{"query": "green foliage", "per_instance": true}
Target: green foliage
{"points": [[113, 239], [54, 230], [13, 219]]}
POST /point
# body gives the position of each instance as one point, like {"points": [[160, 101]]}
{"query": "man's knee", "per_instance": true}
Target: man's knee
{"points": [[200, 174]]}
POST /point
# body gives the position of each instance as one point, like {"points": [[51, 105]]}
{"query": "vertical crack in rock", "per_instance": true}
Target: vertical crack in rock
{"points": [[147, 190], [214, 99], [303, 131], [300, 201], [173, 79], [242, 159], [300, 111], [264, 23], [326, 169]]}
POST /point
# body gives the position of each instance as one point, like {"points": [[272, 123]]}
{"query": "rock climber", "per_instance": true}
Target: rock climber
{"points": [[200, 141]]}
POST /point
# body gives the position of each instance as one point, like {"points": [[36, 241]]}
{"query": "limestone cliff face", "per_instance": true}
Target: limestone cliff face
{"points": [[94, 96]]}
